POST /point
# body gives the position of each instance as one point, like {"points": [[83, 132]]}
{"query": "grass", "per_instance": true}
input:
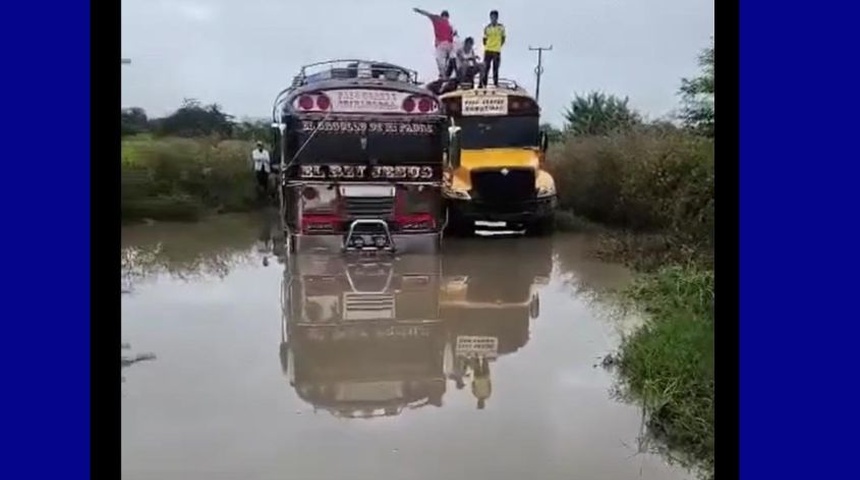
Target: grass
{"points": [[669, 363], [650, 195], [184, 179]]}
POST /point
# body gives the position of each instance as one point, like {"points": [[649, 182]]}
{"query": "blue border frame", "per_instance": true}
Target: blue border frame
{"points": [[46, 239], [798, 267]]}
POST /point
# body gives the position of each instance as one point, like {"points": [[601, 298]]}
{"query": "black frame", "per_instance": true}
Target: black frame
{"points": [[105, 219], [727, 246]]}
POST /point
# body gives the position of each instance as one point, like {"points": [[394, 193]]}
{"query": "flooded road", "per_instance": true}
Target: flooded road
{"points": [[476, 364]]}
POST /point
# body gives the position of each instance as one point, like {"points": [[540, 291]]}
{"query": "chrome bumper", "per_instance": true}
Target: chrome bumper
{"points": [[334, 244]]}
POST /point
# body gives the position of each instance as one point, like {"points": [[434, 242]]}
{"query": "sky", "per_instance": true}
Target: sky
{"points": [[241, 53]]}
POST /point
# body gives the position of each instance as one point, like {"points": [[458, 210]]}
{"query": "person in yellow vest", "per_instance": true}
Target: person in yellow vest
{"points": [[481, 386], [494, 39]]}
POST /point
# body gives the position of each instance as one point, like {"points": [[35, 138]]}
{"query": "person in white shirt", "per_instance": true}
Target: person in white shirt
{"points": [[468, 62], [262, 166]]}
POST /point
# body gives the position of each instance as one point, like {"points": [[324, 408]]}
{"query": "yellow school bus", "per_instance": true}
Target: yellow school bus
{"points": [[498, 183]]}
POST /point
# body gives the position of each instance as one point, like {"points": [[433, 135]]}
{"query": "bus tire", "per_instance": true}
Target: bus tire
{"points": [[541, 227], [457, 226]]}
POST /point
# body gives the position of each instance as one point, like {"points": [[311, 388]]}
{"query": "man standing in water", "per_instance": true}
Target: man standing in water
{"points": [[444, 37], [494, 38], [262, 167]]}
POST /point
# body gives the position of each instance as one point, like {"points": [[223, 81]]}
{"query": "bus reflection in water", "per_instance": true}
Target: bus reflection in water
{"points": [[370, 337], [488, 304], [363, 338]]}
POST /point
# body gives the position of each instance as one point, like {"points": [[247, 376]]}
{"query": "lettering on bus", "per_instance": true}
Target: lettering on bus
{"points": [[366, 100], [485, 105], [352, 127], [364, 172], [356, 332]]}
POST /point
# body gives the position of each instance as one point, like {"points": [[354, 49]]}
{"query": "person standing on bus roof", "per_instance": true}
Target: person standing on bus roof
{"points": [[494, 39], [444, 35]]}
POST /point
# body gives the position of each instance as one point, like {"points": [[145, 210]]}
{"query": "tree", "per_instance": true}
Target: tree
{"points": [[133, 121], [697, 96], [193, 119], [600, 114], [253, 130]]}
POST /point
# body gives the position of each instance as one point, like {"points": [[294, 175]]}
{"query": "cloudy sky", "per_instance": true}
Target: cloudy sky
{"points": [[240, 53]]}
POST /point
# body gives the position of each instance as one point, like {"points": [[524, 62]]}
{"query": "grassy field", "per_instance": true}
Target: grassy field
{"points": [[184, 179], [651, 191]]}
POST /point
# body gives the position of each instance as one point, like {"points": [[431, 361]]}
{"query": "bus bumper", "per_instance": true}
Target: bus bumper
{"points": [[475, 212], [332, 244]]}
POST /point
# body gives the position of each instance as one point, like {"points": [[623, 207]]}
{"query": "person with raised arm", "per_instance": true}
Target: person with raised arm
{"points": [[444, 34]]}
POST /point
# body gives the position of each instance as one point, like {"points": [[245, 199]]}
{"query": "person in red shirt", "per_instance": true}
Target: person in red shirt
{"points": [[444, 34]]}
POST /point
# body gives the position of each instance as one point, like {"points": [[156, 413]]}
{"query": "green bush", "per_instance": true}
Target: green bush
{"points": [[645, 180], [669, 363], [177, 178]]}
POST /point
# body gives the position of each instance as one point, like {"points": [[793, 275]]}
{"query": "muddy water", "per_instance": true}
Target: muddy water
{"points": [[476, 364]]}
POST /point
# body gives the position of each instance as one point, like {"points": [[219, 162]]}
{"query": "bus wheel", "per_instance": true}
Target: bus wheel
{"points": [[461, 229], [457, 227], [542, 227]]}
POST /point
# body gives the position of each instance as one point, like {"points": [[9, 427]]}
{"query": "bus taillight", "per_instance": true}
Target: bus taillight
{"points": [[419, 104], [320, 210], [414, 209]]}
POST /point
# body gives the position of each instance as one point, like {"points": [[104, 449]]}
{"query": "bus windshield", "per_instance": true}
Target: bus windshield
{"points": [[499, 132]]}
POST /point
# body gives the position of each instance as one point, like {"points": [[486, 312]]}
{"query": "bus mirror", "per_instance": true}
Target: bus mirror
{"points": [[454, 147], [453, 130], [280, 126], [544, 141]]}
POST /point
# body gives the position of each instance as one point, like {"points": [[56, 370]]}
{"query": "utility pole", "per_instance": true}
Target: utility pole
{"points": [[539, 68]]}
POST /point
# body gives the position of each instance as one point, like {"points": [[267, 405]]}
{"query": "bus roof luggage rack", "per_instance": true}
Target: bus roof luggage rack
{"points": [[353, 68], [504, 84], [507, 84]]}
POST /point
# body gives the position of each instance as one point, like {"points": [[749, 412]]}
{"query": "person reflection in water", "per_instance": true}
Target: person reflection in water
{"points": [[459, 371], [265, 244], [481, 386]]}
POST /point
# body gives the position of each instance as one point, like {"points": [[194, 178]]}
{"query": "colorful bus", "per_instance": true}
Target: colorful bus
{"points": [[361, 147]]}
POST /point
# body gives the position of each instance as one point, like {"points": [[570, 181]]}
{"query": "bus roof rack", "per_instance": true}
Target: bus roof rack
{"points": [[504, 84], [353, 68], [508, 84]]}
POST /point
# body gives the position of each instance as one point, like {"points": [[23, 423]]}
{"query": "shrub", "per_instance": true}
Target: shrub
{"points": [[597, 113], [176, 178], [645, 180]]}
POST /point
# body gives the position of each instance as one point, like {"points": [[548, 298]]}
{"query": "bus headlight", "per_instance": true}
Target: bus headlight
{"points": [[545, 191]]}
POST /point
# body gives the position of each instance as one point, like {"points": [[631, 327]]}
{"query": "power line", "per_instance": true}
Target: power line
{"points": [[539, 67]]}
